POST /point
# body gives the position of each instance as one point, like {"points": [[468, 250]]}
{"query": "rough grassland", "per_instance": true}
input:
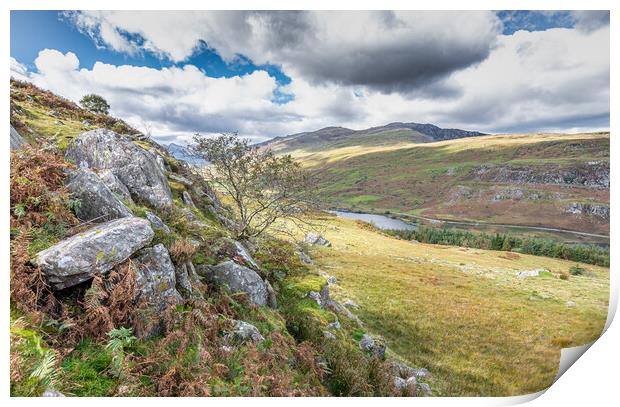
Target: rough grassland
{"points": [[434, 179], [463, 313]]}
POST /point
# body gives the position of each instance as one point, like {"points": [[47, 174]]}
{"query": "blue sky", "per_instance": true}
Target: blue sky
{"points": [[281, 72], [32, 31]]}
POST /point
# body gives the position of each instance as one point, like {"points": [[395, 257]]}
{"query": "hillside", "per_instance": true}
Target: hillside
{"points": [[554, 180], [390, 134], [127, 279], [464, 313]]}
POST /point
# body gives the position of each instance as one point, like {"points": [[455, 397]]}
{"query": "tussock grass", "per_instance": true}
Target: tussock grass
{"points": [[462, 313]]}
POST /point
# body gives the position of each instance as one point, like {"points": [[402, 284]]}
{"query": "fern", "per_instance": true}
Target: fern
{"points": [[120, 339]]}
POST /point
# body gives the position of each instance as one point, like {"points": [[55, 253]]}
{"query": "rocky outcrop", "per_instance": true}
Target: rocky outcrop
{"points": [[95, 251], [17, 141], [134, 167], [316, 239], [97, 202], [237, 278], [244, 332], [243, 254], [599, 211], [156, 222], [592, 174], [373, 346], [186, 278], [115, 185], [156, 277], [187, 199]]}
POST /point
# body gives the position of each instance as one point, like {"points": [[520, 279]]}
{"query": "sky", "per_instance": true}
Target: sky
{"points": [[264, 74]]}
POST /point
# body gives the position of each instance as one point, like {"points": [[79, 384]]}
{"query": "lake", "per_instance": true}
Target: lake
{"points": [[379, 221]]}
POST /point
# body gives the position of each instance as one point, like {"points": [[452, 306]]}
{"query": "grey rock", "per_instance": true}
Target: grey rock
{"points": [[316, 297], [243, 332], [156, 222], [330, 279], [97, 202], [374, 346], [423, 389], [351, 303], [237, 278], [316, 239], [400, 384], [334, 325], [244, 254], [136, 168], [187, 199], [156, 277], [121, 191], [529, 273], [85, 123], [404, 371], [577, 208], [340, 309], [52, 393], [95, 251], [329, 335], [180, 179], [183, 283], [17, 141], [272, 299], [304, 258]]}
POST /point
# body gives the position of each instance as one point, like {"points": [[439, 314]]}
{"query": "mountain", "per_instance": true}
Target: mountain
{"points": [[393, 133], [183, 153]]}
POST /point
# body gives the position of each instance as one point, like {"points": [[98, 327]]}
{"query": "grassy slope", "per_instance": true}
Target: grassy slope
{"points": [[63, 351], [462, 313], [425, 178]]}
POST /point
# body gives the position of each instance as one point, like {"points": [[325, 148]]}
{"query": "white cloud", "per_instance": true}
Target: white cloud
{"points": [[546, 80], [389, 51], [18, 70]]}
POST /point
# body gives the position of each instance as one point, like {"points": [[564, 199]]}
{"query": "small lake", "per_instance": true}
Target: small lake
{"points": [[379, 221]]}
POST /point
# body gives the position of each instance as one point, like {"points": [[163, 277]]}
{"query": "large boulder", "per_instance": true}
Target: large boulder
{"points": [[237, 278], [136, 168], [17, 140], [95, 251], [121, 191], [97, 202], [156, 277]]}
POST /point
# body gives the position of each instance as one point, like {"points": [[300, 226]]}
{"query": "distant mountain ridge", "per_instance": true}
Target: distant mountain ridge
{"points": [[390, 133], [183, 153]]}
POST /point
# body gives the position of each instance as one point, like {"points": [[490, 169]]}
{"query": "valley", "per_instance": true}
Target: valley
{"points": [[556, 181]]}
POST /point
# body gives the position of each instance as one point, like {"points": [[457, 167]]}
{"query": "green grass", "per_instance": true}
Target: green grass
{"points": [[423, 177], [462, 313], [86, 371]]}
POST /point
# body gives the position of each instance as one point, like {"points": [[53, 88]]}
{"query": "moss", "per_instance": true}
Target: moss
{"points": [[177, 188], [85, 371], [46, 236]]}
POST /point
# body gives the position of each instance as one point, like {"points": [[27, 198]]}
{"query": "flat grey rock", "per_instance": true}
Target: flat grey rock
{"points": [[95, 251]]}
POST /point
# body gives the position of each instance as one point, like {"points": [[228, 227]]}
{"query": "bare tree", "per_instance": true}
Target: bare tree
{"points": [[264, 187]]}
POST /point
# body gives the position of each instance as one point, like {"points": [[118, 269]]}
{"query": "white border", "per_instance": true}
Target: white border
{"points": [[592, 380]]}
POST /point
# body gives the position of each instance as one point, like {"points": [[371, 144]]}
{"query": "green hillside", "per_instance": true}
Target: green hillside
{"points": [[555, 180]]}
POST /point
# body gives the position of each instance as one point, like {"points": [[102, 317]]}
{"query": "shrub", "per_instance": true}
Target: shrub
{"points": [[95, 104], [576, 270]]}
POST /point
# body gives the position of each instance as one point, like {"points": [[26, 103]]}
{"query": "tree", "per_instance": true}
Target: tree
{"points": [[95, 104], [263, 187]]}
